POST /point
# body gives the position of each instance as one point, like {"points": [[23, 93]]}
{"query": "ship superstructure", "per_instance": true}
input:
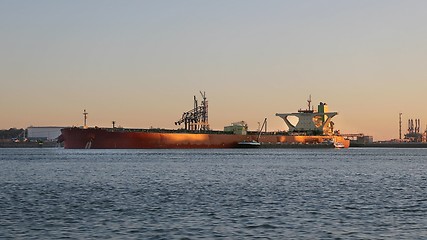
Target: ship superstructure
{"points": [[311, 122]]}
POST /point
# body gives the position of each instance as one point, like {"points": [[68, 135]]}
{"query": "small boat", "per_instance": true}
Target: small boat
{"points": [[253, 143], [333, 144], [249, 144], [339, 145]]}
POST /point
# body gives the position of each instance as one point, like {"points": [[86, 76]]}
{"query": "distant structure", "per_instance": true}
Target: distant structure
{"points": [[414, 134], [43, 133], [358, 138]]}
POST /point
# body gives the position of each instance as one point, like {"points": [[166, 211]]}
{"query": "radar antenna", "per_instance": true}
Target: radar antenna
{"points": [[310, 109]]}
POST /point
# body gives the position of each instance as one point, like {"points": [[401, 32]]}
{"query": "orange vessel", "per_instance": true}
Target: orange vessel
{"points": [[314, 129]]}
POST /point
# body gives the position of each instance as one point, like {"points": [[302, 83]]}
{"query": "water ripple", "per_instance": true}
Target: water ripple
{"points": [[227, 194]]}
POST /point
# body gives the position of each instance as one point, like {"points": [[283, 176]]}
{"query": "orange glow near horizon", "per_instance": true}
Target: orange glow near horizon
{"points": [[142, 68]]}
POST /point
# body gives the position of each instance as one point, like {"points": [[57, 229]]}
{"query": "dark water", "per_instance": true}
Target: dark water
{"points": [[213, 194]]}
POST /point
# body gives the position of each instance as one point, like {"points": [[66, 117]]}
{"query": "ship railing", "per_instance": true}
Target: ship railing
{"points": [[162, 130]]}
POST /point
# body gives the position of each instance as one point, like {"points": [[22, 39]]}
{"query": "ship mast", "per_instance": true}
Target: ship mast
{"points": [[204, 112], [260, 131], [85, 118], [400, 126], [310, 109]]}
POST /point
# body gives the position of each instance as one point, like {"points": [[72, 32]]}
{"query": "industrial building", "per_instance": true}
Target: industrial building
{"points": [[43, 133]]}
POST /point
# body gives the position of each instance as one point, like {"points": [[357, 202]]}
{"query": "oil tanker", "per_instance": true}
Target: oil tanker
{"points": [[313, 129]]}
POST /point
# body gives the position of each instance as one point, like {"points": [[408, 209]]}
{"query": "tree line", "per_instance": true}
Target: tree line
{"points": [[12, 133]]}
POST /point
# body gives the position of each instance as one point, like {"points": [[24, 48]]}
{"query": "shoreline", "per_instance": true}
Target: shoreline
{"points": [[29, 145], [389, 145]]}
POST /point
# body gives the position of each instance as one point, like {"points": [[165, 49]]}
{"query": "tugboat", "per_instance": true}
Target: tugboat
{"points": [[253, 143]]}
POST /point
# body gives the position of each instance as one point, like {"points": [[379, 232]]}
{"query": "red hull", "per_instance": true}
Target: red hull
{"points": [[99, 138]]}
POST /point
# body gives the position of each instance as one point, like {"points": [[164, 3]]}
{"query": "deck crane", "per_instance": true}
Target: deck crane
{"points": [[196, 119]]}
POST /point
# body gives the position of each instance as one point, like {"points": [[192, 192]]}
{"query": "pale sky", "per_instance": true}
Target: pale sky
{"points": [[140, 62]]}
